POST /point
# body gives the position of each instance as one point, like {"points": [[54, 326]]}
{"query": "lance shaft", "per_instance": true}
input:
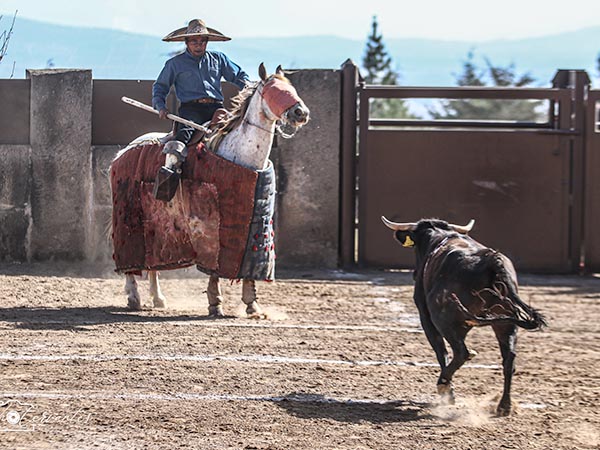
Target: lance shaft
{"points": [[145, 107]]}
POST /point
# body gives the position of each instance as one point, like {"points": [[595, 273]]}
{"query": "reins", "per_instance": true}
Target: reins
{"points": [[258, 126]]}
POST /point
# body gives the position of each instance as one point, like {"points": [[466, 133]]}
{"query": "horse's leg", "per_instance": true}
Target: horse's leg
{"points": [[158, 299], [133, 296], [249, 298], [215, 297], [507, 338]]}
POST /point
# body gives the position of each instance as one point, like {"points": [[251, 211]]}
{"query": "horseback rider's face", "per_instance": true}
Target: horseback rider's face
{"points": [[196, 45]]}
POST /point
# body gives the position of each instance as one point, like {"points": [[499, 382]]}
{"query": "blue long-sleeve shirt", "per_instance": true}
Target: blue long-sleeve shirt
{"points": [[195, 78]]}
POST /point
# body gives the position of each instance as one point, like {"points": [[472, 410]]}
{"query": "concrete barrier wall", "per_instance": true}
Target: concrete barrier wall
{"points": [[60, 137], [54, 193], [308, 169]]}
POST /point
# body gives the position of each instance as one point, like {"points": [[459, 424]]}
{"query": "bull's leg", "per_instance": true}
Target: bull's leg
{"points": [[133, 296], [460, 354], [158, 299], [507, 338], [436, 341], [215, 297], [452, 329], [250, 299]]}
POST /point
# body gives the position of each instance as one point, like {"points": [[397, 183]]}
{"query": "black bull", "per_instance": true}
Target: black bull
{"points": [[459, 284]]}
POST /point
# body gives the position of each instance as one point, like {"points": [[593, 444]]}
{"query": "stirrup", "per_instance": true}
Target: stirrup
{"points": [[166, 183]]}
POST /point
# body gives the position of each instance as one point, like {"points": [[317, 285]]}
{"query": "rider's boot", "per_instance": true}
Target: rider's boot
{"points": [[167, 178]]}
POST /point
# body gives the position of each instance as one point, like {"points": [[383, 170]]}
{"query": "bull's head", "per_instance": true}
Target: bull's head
{"points": [[404, 232]]}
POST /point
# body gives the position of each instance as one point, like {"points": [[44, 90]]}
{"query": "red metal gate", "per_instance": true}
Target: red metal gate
{"points": [[592, 183], [521, 182]]}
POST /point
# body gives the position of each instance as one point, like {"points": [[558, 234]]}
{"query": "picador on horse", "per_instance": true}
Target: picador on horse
{"points": [[184, 198]]}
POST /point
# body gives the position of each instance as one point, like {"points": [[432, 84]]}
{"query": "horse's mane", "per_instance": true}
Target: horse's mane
{"points": [[240, 105]]}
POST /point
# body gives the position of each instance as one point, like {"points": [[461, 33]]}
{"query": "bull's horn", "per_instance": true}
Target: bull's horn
{"points": [[399, 226], [463, 229]]}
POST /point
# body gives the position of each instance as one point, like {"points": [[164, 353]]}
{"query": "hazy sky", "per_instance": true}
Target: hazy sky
{"points": [[467, 20]]}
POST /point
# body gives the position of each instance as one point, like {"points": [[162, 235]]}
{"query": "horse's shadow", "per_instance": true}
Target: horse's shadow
{"points": [[317, 406], [78, 319]]}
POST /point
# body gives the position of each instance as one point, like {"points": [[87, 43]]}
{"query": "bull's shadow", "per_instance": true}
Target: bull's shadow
{"points": [[78, 318], [317, 406]]}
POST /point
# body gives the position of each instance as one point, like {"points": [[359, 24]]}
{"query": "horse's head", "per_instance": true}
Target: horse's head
{"points": [[281, 102]]}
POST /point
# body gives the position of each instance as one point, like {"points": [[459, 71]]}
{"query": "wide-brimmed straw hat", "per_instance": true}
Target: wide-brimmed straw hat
{"points": [[196, 27]]}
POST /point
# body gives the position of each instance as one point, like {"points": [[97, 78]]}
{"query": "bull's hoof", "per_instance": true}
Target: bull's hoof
{"points": [[216, 311], [446, 391], [134, 304], [254, 311], [504, 409]]}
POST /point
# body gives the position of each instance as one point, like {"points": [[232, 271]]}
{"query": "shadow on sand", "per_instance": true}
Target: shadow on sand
{"points": [[317, 406], [76, 319]]}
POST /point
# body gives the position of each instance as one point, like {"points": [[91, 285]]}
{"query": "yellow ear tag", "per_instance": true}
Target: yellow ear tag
{"points": [[408, 242]]}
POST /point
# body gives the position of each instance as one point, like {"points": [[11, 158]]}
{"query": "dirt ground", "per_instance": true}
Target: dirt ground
{"points": [[340, 363]]}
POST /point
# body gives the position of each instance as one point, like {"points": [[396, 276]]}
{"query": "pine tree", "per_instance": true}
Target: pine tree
{"points": [[378, 67], [489, 109], [469, 75], [376, 61]]}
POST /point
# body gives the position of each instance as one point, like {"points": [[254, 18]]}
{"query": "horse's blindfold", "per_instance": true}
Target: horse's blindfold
{"points": [[280, 96]]}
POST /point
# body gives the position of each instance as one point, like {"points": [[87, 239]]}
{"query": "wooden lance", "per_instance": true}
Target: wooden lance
{"points": [[145, 107]]}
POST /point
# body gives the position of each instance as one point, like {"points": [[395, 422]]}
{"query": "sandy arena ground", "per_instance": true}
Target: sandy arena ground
{"points": [[340, 363]]}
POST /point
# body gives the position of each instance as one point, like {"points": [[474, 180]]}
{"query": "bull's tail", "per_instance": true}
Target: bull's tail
{"points": [[501, 303], [525, 317], [529, 317]]}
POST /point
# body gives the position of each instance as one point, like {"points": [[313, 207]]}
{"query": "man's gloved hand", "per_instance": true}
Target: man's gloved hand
{"points": [[163, 113]]}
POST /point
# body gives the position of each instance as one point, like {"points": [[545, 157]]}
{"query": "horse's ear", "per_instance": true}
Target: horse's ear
{"points": [[279, 70], [262, 72]]}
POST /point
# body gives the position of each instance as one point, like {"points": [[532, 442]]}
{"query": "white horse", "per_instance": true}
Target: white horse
{"points": [[271, 105]]}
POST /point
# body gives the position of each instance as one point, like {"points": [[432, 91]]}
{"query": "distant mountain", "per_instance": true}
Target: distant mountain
{"points": [[119, 55]]}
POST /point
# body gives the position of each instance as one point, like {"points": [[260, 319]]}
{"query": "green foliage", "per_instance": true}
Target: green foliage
{"points": [[471, 75], [378, 67], [376, 61], [487, 109]]}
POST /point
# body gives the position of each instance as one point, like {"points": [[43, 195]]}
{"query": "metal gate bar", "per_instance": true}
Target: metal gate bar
{"points": [[453, 170]]}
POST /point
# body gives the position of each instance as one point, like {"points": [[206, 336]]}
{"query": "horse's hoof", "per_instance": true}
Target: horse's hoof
{"points": [[134, 304], [159, 303], [216, 311], [254, 311]]}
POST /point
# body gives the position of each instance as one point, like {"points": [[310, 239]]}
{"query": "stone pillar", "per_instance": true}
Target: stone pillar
{"points": [[308, 173], [60, 139]]}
